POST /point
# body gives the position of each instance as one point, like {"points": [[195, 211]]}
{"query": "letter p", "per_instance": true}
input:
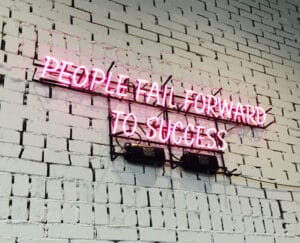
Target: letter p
{"points": [[49, 67]]}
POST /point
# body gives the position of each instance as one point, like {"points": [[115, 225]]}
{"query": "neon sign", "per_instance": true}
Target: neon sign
{"points": [[152, 93]]}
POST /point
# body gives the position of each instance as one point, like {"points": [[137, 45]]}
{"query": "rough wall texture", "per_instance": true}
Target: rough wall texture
{"points": [[57, 183]]}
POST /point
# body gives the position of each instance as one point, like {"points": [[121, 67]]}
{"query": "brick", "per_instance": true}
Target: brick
{"points": [[256, 207], [70, 191], [279, 195], [249, 50], [205, 221], [19, 211], [181, 219], [202, 51], [172, 42], [69, 172], [214, 205], [250, 192], [149, 234], [222, 237], [85, 191], [216, 221], [203, 202], [54, 189], [33, 139], [114, 177], [141, 197], [157, 218], [116, 233], [37, 187], [32, 153], [56, 157], [70, 231], [170, 218], [37, 210], [80, 147], [269, 226], [4, 207], [48, 128], [185, 183], [277, 146], [86, 214], [44, 240], [58, 144], [130, 217], [67, 119], [70, 213], [157, 29], [21, 185], [26, 231], [193, 220], [228, 223], [179, 199], [249, 225], [191, 199], [5, 184], [282, 239], [81, 160], [54, 212], [167, 198], [142, 33], [11, 96], [155, 197], [238, 224], [265, 206], [194, 236], [114, 195], [143, 215], [100, 192], [245, 206], [184, 37], [252, 239], [10, 150], [247, 150], [101, 216], [266, 92], [45, 103], [10, 136], [22, 166]]}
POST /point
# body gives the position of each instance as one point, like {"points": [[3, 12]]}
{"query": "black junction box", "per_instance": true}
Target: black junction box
{"points": [[199, 162], [140, 154]]}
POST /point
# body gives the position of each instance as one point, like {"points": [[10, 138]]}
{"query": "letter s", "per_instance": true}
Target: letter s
{"points": [[220, 136], [152, 132]]}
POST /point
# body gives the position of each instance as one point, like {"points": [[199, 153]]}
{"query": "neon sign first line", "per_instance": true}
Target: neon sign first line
{"points": [[96, 80]]}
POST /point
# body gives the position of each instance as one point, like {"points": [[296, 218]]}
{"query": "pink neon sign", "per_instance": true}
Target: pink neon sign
{"points": [[190, 135], [96, 80]]}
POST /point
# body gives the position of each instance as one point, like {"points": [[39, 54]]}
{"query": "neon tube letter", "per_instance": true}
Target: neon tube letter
{"points": [[260, 111], [115, 124], [86, 74], [188, 101], [134, 126], [63, 72], [139, 90], [94, 78], [47, 67], [121, 88]]}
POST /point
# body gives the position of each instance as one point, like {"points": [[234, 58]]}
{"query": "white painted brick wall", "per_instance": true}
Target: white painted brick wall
{"points": [[57, 183]]}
